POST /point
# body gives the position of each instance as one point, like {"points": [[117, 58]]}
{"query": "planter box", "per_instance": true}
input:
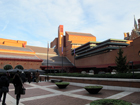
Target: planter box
{"points": [[130, 83], [62, 85], [93, 89], [56, 80]]}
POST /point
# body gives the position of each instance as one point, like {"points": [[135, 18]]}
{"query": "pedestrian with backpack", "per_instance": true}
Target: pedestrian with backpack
{"points": [[4, 87]]}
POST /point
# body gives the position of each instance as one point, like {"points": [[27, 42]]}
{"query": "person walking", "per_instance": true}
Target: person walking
{"points": [[23, 77], [4, 87], [29, 76], [17, 82], [8, 75], [37, 76]]}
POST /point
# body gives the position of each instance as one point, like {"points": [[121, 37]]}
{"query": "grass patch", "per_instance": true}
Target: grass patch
{"points": [[62, 83], [91, 87], [110, 102]]}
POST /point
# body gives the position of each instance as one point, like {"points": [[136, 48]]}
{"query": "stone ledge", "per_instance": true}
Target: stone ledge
{"points": [[134, 83]]}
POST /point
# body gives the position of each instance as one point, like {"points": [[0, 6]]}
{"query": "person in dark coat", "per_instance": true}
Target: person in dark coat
{"points": [[18, 86], [37, 76], [23, 77], [8, 75], [29, 77], [4, 82]]}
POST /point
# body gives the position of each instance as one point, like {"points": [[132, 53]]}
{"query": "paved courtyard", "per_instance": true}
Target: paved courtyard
{"points": [[47, 93]]}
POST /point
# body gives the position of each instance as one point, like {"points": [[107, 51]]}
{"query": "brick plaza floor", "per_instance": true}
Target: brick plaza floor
{"points": [[47, 93]]}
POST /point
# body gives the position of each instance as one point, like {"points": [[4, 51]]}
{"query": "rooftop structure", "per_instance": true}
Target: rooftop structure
{"points": [[85, 53], [72, 51], [95, 48]]}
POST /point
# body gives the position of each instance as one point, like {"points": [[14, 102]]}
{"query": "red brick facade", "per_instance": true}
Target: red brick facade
{"points": [[27, 64]]}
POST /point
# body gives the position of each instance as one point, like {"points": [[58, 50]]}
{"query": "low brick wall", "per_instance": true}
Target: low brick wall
{"points": [[135, 83]]}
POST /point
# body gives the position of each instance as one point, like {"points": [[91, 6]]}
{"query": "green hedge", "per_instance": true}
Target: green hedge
{"points": [[121, 75], [95, 87], [7, 67], [110, 102], [19, 67], [62, 83]]}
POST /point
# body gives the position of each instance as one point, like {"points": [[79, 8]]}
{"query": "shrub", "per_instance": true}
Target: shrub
{"points": [[62, 83], [19, 67], [7, 67], [95, 87], [110, 102]]}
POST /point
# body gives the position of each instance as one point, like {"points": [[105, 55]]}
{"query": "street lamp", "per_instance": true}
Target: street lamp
{"points": [[62, 52], [132, 67]]}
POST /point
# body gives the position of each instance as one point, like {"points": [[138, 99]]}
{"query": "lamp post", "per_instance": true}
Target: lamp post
{"points": [[74, 56], [132, 67], [47, 62], [47, 57], [62, 63], [62, 52]]}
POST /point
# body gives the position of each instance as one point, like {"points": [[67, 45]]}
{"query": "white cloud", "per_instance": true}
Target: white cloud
{"points": [[36, 43], [5, 26], [37, 21]]}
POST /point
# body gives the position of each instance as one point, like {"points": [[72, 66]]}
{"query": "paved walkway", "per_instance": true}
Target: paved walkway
{"points": [[47, 93]]}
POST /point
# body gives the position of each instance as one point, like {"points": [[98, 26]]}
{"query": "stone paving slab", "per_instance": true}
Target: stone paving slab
{"points": [[47, 93], [133, 98], [31, 92], [104, 93], [58, 100], [43, 83]]}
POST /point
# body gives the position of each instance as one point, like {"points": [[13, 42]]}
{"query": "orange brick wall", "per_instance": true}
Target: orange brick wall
{"points": [[25, 64], [12, 44], [69, 45], [75, 46], [129, 41], [81, 39], [54, 43], [68, 53], [9, 42], [19, 41], [60, 35], [76, 39]]}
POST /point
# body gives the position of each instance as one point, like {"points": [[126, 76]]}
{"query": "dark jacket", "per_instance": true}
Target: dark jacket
{"points": [[17, 83], [4, 81], [23, 77]]}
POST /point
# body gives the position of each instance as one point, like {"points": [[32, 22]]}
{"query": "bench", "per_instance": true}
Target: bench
{"points": [[56, 80]]}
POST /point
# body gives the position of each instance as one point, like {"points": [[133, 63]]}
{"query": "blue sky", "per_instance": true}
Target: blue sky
{"points": [[37, 21]]}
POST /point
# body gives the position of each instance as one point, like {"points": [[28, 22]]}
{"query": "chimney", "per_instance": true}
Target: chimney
{"points": [[125, 35]]}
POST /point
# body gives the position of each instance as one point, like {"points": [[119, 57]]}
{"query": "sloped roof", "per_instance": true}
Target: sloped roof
{"points": [[79, 33], [18, 56], [57, 61], [15, 48], [41, 49]]}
